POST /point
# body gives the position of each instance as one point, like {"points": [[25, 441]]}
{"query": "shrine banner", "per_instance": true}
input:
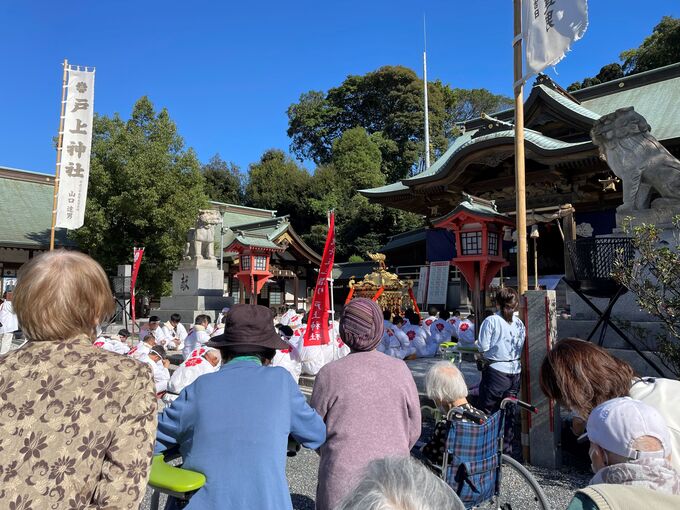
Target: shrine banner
{"points": [[138, 253], [76, 145], [548, 28], [317, 323]]}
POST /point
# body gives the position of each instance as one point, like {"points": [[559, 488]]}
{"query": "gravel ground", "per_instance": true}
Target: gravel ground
{"points": [[558, 485]]}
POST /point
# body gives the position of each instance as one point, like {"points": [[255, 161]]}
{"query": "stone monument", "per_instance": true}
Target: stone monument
{"points": [[197, 284]]}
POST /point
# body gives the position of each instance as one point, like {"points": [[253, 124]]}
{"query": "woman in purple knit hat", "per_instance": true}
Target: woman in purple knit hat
{"points": [[369, 402]]}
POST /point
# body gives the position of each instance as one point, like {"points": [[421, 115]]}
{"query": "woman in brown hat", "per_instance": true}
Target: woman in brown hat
{"points": [[233, 425]]}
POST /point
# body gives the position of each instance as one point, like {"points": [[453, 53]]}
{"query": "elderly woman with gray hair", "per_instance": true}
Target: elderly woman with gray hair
{"points": [[368, 401], [401, 483], [446, 386]]}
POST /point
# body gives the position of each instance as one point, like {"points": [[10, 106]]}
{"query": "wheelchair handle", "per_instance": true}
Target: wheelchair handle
{"points": [[523, 405], [465, 414]]}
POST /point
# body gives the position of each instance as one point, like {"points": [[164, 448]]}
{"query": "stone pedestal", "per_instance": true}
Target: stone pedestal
{"points": [[545, 427], [197, 288]]}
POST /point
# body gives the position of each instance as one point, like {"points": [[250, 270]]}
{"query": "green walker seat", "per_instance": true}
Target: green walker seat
{"points": [[174, 481]]}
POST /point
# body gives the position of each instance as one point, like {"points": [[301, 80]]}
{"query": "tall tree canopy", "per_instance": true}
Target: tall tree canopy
{"points": [[660, 49], [277, 182], [145, 189], [388, 104], [223, 181]]}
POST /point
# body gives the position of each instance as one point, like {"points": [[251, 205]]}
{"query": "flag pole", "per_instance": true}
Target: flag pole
{"points": [[330, 290], [520, 182], [520, 192], [60, 138], [427, 117]]}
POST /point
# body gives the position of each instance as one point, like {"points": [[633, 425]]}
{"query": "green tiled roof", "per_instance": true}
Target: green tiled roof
{"points": [[657, 102], [568, 103], [26, 212]]}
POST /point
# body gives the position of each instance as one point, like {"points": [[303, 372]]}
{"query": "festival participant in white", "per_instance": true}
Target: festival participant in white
{"points": [[191, 369], [417, 337], [289, 358], [454, 321], [175, 330], [154, 328], [157, 360], [432, 315], [440, 330], [501, 338], [221, 315], [466, 331], [8, 322], [197, 336], [143, 347], [114, 344]]}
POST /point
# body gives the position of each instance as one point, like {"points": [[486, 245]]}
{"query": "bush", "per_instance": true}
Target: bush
{"points": [[654, 278]]}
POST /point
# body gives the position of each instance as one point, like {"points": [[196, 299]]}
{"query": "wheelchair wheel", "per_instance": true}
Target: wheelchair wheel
{"points": [[519, 489]]}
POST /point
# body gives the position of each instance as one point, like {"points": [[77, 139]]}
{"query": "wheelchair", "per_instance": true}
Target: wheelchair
{"points": [[475, 466]]}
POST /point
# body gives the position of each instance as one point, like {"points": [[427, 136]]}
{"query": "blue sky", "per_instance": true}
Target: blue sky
{"points": [[227, 71]]}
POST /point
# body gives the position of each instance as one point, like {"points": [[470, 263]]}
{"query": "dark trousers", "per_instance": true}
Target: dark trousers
{"points": [[495, 386]]}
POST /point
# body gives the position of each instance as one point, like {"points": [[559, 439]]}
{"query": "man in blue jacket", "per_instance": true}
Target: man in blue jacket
{"points": [[233, 425]]}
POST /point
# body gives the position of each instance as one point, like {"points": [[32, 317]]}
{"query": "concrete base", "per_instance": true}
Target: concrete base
{"points": [[643, 335]]}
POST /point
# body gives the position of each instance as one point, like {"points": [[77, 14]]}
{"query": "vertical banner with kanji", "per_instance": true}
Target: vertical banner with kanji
{"points": [[138, 253], [317, 324], [76, 146], [549, 27]]}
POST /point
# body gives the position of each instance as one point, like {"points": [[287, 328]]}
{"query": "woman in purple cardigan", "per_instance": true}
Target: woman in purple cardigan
{"points": [[369, 402]]}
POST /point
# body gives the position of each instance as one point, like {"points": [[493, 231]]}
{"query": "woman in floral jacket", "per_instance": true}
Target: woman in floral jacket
{"points": [[77, 423]]}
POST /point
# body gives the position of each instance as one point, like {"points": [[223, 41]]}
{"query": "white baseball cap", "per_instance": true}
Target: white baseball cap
{"points": [[616, 424]]}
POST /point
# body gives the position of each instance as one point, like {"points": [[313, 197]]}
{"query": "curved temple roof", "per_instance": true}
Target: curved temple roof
{"points": [[654, 94]]}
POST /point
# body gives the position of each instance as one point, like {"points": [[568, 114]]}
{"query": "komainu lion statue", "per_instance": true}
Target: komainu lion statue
{"points": [[201, 238], [648, 171]]}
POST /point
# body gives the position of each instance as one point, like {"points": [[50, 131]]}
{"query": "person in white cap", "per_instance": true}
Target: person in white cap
{"points": [[630, 452]]}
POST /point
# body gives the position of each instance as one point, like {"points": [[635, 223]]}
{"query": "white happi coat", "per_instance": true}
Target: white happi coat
{"points": [[416, 336], [453, 323], [112, 345], [197, 337], [190, 370], [290, 358], [161, 337], [441, 331], [139, 351], [161, 375], [176, 334], [394, 342], [466, 333], [427, 324]]}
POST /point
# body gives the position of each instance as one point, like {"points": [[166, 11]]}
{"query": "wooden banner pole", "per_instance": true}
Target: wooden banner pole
{"points": [[521, 208], [64, 86]]}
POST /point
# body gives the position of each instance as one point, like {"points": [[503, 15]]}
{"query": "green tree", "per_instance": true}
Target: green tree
{"points": [[659, 49], [145, 189], [467, 104], [277, 182], [388, 104], [360, 226], [223, 181]]}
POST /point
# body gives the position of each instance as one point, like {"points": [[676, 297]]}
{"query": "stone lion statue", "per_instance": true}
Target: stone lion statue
{"points": [[650, 174], [201, 238]]}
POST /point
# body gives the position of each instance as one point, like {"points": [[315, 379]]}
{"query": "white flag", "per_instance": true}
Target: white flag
{"points": [[548, 29], [74, 170]]}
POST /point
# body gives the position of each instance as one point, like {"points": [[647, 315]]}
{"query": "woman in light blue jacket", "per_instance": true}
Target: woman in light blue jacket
{"points": [[233, 425]]}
